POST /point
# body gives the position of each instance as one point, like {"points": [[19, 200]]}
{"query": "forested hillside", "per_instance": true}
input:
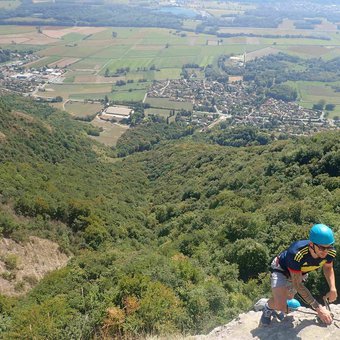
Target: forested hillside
{"points": [[172, 240]]}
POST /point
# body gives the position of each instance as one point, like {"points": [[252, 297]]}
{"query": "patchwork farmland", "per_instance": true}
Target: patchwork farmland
{"points": [[92, 56], [121, 63]]}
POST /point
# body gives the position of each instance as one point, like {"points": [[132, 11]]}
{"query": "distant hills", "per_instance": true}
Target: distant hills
{"points": [[150, 14]]}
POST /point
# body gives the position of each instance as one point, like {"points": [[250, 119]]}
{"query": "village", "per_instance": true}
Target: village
{"points": [[18, 77], [238, 103], [235, 101]]}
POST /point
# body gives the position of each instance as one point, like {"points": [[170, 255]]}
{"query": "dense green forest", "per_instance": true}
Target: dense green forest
{"points": [[88, 14], [277, 69], [176, 239], [265, 14]]}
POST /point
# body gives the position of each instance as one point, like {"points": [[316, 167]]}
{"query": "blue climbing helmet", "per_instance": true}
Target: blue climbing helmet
{"points": [[321, 234], [293, 304]]}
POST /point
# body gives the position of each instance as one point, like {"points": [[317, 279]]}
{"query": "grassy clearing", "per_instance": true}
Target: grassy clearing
{"points": [[106, 34], [165, 103], [131, 86], [111, 132], [310, 51], [91, 64], [69, 79], [132, 63], [45, 61], [11, 29], [134, 96], [69, 91], [111, 52], [333, 53], [89, 95], [79, 51], [168, 73], [9, 4], [335, 113], [180, 51], [312, 92], [160, 112], [330, 114], [71, 37], [141, 53], [173, 62], [79, 109], [241, 48], [276, 31], [18, 47], [135, 76]]}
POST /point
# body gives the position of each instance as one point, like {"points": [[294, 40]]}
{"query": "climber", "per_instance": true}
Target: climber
{"points": [[289, 271]]}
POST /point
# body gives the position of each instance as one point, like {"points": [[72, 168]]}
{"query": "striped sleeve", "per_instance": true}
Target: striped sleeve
{"points": [[331, 256]]}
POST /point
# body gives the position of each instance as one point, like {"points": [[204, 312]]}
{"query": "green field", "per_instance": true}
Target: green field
{"points": [[160, 112], [91, 64], [168, 73], [312, 92], [135, 96], [79, 109], [165, 103], [69, 91], [11, 29], [111, 132], [45, 61], [9, 4], [142, 49], [132, 63]]}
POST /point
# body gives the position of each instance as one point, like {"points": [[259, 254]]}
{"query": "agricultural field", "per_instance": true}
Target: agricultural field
{"points": [[164, 103], [141, 55], [82, 110], [311, 93], [9, 4], [111, 131], [96, 49], [160, 112], [73, 91]]}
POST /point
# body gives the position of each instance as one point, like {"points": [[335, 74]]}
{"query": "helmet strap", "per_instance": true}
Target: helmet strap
{"points": [[313, 247]]}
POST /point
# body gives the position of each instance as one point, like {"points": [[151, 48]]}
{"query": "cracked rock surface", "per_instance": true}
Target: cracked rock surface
{"points": [[298, 325]]}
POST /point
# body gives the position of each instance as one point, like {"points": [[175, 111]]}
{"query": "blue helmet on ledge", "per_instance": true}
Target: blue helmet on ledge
{"points": [[293, 304], [321, 234]]}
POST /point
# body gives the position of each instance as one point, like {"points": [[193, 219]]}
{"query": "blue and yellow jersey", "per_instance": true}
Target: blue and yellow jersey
{"points": [[298, 258]]}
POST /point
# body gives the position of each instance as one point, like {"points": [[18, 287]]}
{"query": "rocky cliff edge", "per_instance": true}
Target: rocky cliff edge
{"points": [[301, 324]]}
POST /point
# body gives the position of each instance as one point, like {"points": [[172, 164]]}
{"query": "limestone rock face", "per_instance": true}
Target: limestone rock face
{"points": [[22, 265], [298, 325]]}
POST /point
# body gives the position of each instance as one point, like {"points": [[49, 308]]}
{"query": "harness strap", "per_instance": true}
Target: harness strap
{"points": [[280, 271]]}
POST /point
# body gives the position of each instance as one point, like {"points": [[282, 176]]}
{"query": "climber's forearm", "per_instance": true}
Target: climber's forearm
{"points": [[303, 291], [328, 271]]}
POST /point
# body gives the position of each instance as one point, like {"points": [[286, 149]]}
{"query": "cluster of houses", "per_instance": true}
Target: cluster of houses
{"points": [[235, 100], [239, 103], [17, 77], [288, 118], [205, 95]]}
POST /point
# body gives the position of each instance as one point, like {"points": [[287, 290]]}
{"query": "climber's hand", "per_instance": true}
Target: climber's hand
{"points": [[324, 315], [331, 295]]}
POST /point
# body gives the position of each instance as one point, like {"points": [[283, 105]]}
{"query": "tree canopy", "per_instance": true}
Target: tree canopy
{"points": [[174, 239]]}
